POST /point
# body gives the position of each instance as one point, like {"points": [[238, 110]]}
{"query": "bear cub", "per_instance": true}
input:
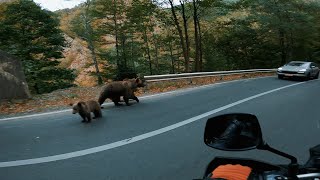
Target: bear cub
{"points": [[84, 108]]}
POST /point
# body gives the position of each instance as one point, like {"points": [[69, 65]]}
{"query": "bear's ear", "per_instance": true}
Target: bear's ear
{"points": [[71, 104], [137, 80], [81, 104]]}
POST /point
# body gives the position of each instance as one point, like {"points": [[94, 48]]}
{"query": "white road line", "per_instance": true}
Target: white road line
{"points": [[133, 139], [143, 97]]}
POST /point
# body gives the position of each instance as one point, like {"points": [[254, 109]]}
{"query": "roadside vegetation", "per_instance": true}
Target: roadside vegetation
{"points": [[103, 40]]}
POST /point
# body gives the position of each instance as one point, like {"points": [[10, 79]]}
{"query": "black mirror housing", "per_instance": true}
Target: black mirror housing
{"points": [[233, 132]]}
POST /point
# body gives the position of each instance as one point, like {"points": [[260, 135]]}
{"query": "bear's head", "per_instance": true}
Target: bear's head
{"points": [[78, 107], [141, 82]]}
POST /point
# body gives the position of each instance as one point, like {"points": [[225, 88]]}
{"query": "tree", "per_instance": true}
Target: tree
{"points": [[169, 40], [182, 38], [82, 25], [32, 34], [291, 25], [141, 17], [261, 34], [200, 10], [111, 20], [111, 14], [186, 34], [196, 25]]}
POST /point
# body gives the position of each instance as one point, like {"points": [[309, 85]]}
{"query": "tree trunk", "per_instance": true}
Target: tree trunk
{"points": [[281, 36], [123, 46], [132, 55], [182, 43], [178, 65], [146, 41], [117, 49], [196, 36], [171, 55], [89, 34], [282, 47], [156, 53], [94, 57], [185, 25], [200, 46], [116, 32], [290, 47]]}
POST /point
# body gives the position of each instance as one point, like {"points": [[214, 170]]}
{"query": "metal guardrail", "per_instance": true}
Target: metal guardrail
{"points": [[167, 77]]}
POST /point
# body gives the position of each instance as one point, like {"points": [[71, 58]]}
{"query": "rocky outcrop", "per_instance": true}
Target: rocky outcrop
{"points": [[12, 79]]}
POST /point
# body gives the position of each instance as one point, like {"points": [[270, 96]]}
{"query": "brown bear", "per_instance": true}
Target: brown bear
{"points": [[116, 89], [84, 108]]}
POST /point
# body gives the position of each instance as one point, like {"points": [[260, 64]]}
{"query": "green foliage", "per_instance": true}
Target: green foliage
{"points": [[83, 27], [32, 34], [78, 26], [249, 36], [109, 19], [52, 78], [239, 34], [236, 34]]}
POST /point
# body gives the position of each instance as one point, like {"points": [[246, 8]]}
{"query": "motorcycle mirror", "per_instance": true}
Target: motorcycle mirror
{"points": [[233, 132]]}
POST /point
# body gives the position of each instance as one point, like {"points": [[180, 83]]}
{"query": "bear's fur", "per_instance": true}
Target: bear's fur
{"points": [[116, 89], [84, 108]]}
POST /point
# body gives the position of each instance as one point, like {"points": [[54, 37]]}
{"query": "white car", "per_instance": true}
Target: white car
{"points": [[306, 70]]}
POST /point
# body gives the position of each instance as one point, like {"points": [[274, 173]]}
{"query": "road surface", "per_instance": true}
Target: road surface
{"points": [[162, 136]]}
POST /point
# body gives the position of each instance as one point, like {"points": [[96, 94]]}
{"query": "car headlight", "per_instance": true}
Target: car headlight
{"points": [[302, 70], [280, 69]]}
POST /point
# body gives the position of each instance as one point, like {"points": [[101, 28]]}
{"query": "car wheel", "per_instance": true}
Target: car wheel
{"points": [[316, 76], [280, 76], [308, 77]]}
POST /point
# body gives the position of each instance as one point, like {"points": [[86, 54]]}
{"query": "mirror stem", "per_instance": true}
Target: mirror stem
{"points": [[275, 151], [293, 167]]}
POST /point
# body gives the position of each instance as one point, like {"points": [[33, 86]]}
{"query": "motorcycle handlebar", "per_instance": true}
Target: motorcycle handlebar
{"points": [[308, 175]]}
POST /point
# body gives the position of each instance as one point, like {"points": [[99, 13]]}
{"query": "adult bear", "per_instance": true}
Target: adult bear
{"points": [[116, 89]]}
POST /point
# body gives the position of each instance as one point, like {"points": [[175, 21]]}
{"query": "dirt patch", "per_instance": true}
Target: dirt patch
{"points": [[61, 99]]}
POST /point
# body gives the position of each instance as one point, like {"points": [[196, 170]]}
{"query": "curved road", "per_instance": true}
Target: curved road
{"points": [[161, 137]]}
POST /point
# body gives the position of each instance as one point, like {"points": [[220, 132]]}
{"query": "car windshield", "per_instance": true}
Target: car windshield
{"points": [[296, 64]]}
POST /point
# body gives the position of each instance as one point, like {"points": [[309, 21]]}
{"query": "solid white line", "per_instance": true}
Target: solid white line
{"points": [[133, 139], [143, 97]]}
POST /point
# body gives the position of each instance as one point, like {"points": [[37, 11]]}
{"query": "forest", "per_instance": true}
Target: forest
{"points": [[129, 38]]}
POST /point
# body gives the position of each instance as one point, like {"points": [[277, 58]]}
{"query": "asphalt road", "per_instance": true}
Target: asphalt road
{"points": [[289, 119]]}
